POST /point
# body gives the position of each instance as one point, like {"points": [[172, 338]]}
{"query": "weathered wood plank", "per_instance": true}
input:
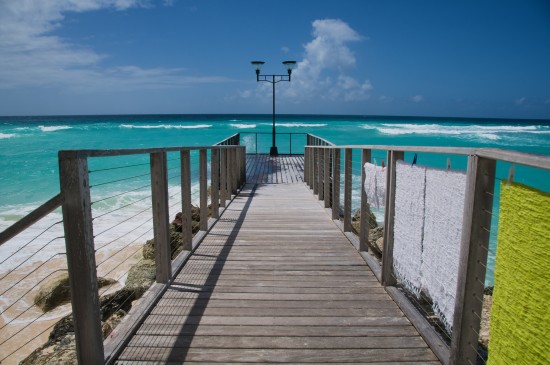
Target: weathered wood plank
{"points": [[279, 355], [250, 342], [321, 331]]}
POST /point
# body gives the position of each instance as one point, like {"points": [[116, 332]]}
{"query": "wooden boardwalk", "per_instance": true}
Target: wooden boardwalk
{"points": [[275, 280]]}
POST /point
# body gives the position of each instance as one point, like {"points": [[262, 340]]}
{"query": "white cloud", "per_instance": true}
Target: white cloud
{"points": [[322, 73], [30, 55], [417, 98], [285, 49], [521, 100]]}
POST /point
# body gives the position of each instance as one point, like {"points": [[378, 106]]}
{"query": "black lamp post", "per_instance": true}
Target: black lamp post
{"points": [[273, 79]]}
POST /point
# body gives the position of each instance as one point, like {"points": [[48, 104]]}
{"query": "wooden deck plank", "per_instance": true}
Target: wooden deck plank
{"points": [[276, 281], [278, 355]]}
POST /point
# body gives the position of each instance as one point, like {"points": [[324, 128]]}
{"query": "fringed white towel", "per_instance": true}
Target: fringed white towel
{"points": [[409, 224], [444, 205], [375, 185]]}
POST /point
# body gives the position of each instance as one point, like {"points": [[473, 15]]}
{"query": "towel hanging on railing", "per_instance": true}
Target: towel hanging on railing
{"points": [[409, 224], [427, 232], [375, 184], [443, 216]]}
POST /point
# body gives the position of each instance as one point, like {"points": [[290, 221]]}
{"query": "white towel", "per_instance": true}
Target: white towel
{"points": [[444, 205], [409, 224], [375, 185]]}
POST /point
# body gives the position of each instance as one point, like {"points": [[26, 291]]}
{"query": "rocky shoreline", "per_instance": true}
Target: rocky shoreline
{"points": [[60, 347]]}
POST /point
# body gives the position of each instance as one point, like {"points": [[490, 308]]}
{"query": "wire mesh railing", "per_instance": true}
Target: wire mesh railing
{"points": [[101, 253], [30, 260], [431, 238]]}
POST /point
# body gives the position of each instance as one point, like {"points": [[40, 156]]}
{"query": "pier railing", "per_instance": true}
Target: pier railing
{"points": [[327, 173], [288, 143], [112, 202]]}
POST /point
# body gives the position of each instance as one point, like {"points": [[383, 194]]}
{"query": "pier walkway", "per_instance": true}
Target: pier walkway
{"points": [[275, 280]]}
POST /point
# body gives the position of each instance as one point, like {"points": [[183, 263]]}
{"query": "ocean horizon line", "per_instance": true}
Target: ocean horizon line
{"points": [[359, 117]]}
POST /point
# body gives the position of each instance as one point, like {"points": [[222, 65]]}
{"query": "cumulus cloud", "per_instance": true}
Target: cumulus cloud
{"points": [[417, 98], [323, 73], [30, 55]]}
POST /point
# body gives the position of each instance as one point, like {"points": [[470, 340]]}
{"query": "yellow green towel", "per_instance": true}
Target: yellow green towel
{"points": [[520, 316]]}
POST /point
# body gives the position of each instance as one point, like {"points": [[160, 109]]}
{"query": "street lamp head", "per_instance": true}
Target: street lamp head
{"points": [[257, 66], [289, 66]]}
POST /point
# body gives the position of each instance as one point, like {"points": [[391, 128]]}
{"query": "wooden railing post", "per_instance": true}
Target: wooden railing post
{"points": [[203, 186], [306, 165], [186, 231], [478, 202], [388, 279], [233, 170], [320, 187], [336, 185], [311, 167], [347, 189], [223, 177], [326, 177], [315, 181], [243, 165], [364, 230], [159, 188], [79, 241], [215, 181]]}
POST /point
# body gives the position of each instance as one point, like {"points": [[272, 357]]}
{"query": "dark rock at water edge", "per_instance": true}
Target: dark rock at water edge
{"points": [[58, 291]]}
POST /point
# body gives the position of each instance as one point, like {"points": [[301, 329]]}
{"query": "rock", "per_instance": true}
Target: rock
{"points": [[178, 221], [357, 219], [141, 276], [58, 291], [379, 245], [176, 228]]}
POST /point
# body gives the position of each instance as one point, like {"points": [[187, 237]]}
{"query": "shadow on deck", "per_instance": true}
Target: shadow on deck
{"points": [[275, 280]]}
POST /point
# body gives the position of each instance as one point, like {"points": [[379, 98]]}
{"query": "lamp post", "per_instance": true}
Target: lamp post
{"points": [[273, 79]]}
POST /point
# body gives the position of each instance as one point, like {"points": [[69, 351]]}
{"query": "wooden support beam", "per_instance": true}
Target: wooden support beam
{"points": [[336, 185], [306, 165], [388, 279], [364, 231], [79, 241], [223, 178], [186, 229], [347, 189], [315, 153], [478, 201], [321, 182], [159, 189], [215, 181], [203, 186], [326, 177]]}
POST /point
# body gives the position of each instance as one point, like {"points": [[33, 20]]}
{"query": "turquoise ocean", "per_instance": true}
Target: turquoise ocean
{"points": [[29, 146]]}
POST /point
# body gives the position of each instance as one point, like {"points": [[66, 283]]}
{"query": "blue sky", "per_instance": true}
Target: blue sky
{"points": [[427, 58]]}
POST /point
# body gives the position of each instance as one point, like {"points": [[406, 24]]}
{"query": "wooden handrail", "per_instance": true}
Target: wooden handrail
{"points": [[31, 218], [511, 156]]}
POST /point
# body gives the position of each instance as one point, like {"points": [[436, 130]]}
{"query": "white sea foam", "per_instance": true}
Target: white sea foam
{"points": [[166, 126], [483, 132], [53, 128], [6, 135], [242, 126], [292, 125]]}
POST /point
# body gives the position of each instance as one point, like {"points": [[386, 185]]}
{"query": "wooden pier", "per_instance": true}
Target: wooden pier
{"points": [[276, 280]]}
